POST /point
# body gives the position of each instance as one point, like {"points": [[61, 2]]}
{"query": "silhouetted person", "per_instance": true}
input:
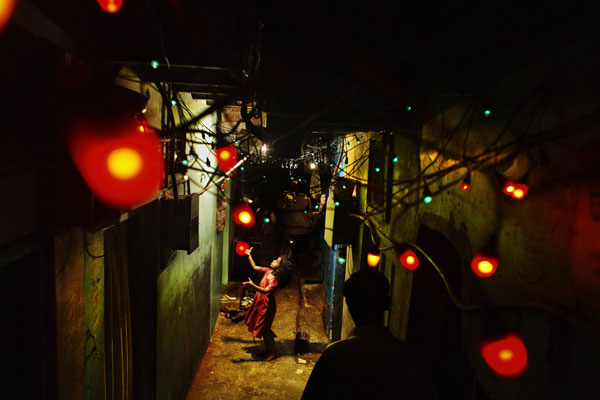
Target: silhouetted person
{"points": [[370, 363]]}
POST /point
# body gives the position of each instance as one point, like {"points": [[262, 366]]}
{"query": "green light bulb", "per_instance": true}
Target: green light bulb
{"points": [[427, 199], [173, 102], [341, 260], [487, 113], [377, 169], [408, 108], [154, 64], [395, 159], [184, 162], [267, 220], [337, 203]]}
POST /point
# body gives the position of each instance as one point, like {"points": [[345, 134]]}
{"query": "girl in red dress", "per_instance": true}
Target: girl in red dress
{"points": [[261, 313]]}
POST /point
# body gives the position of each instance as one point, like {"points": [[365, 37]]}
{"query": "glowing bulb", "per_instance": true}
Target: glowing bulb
{"points": [[144, 110], [395, 159], [186, 177], [337, 203], [465, 187], [506, 354], [487, 113], [245, 217], [154, 64], [226, 157], [173, 102], [313, 165], [408, 108], [341, 260], [484, 266], [520, 191], [242, 215], [427, 199], [267, 220], [6, 9], [263, 148], [373, 259], [141, 128], [507, 357], [409, 259], [241, 248], [377, 169], [110, 6], [124, 163], [508, 188]]}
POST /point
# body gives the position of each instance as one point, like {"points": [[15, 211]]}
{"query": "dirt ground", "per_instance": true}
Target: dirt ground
{"points": [[233, 370]]}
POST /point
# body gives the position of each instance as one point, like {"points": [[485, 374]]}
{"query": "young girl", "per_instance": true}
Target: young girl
{"points": [[261, 313]]}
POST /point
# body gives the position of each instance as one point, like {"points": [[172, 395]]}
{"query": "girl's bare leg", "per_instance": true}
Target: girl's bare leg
{"points": [[269, 345]]}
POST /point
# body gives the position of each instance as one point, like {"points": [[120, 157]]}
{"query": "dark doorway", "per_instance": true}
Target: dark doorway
{"points": [[27, 329], [435, 322]]}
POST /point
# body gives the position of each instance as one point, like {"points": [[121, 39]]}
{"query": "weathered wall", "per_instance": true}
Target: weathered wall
{"points": [[70, 312], [79, 287], [544, 132]]}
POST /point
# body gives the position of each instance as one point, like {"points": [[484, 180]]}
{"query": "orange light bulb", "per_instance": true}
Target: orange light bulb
{"points": [[373, 259]]}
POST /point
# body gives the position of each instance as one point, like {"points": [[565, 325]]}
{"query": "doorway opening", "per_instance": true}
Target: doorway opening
{"points": [[435, 322]]}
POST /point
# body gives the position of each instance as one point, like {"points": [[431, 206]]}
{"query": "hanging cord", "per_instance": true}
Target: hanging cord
{"points": [[558, 311]]}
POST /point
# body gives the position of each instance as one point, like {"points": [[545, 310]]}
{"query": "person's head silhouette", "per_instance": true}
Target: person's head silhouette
{"points": [[367, 297]]}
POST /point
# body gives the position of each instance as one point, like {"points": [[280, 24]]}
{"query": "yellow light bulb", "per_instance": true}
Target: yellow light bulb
{"points": [[410, 260], [485, 267], [124, 163], [506, 355], [245, 217]]}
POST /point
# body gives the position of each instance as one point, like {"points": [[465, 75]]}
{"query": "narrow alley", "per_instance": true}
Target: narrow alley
{"points": [[262, 199], [232, 367]]}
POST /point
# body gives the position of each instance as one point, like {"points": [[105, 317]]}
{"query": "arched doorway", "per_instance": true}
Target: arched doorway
{"points": [[434, 322]]}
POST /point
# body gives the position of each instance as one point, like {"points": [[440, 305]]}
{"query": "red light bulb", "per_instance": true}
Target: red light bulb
{"points": [[6, 9], [465, 186], [484, 266], [509, 188], [123, 170], [243, 216], [241, 248], [110, 6], [507, 357], [409, 259], [520, 191], [226, 157]]}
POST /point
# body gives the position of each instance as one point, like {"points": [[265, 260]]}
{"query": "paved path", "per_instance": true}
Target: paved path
{"points": [[231, 369]]}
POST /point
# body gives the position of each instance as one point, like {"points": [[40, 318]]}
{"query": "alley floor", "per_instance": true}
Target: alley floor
{"points": [[232, 368]]}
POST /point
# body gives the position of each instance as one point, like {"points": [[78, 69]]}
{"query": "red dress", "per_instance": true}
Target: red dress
{"points": [[261, 313]]}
